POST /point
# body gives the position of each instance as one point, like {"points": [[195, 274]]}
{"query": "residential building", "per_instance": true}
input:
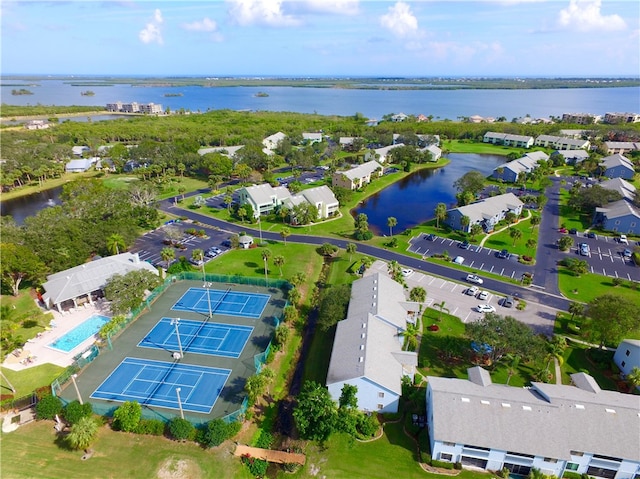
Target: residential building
{"points": [[621, 147], [79, 150], [581, 118], [575, 134], [486, 213], [509, 172], [312, 137], [135, 107], [367, 348], [271, 142], [627, 355], [617, 166], [358, 176], [573, 156], [229, 151], [436, 152], [80, 165], [621, 216], [265, 199], [399, 117], [380, 154], [37, 125], [615, 118], [151, 109], [562, 143], [345, 141], [519, 141], [554, 428], [114, 107], [84, 283], [626, 189]]}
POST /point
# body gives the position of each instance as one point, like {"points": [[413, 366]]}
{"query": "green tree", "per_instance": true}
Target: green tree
{"points": [[197, 255], [633, 378], [127, 416], [83, 433], [362, 227], [418, 294], [168, 255], [333, 306], [218, 431], [126, 292], [348, 397], [576, 266], [441, 213], [351, 249], [48, 407], [565, 243], [576, 309], [391, 222], [472, 181], [315, 414], [115, 242], [279, 261], [19, 264], [515, 234], [535, 221], [181, 429], [464, 222], [610, 317], [531, 244], [475, 230], [285, 233], [74, 411]]}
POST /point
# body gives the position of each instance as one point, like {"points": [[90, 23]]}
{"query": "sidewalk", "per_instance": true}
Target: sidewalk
{"points": [[505, 228], [36, 351]]}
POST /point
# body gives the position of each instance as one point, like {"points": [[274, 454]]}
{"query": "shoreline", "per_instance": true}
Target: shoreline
{"points": [[64, 115]]}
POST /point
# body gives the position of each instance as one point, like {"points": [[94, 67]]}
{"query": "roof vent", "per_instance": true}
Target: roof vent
{"points": [[361, 347], [485, 402], [526, 408], [360, 359], [610, 411], [579, 406], [506, 404], [364, 325], [362, 335], [465, 399]]}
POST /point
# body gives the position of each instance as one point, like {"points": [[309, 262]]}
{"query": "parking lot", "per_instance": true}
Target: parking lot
{"points": [[538, 316], [150, 245], [476, 257], [606, 257]]}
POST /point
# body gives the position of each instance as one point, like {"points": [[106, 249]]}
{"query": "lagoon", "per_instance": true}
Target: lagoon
{"points": [[413, 199]]}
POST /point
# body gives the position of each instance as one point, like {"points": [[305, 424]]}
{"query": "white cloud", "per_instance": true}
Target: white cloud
{"points": [[340, 7], [260, 12], [204, 25], [585, 16], [400, 20], [151, 33]]}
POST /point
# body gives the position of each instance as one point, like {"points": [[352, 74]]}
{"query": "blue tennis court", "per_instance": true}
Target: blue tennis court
{"points": [[231, 303], [159, 383], [200, 337]]}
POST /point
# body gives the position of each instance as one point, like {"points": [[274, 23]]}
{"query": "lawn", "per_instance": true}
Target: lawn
{"points": [[503, 240], [588, 286], [35, 452], [570, 217], [30, 379], [578, 358], [462, 146]]}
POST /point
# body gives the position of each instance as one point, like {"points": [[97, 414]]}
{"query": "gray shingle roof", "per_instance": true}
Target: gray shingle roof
{"points": [[92, 276], [490, 207], [362, 170], [546, 419], [617, 160], [626, 189]]}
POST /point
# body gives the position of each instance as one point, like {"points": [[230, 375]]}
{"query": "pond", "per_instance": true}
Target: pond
{"points": [[28, 205], [413, 199]]}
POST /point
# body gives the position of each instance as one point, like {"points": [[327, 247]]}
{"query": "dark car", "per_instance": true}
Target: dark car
{"points": [[504, 254], [573, 231], [591, 234], [430, 237], [508, 302], [464, 245]]}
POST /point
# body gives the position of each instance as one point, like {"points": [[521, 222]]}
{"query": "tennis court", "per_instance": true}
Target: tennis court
{"points": [[199, 337], [215, 301], [164, 384]]}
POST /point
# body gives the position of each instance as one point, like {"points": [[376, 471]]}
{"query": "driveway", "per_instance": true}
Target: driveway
{"points": [[536, 315]]}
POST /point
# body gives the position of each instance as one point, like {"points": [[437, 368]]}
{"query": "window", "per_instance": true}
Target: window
{"points": [[617, 222], [451, 444], [550, 460], [601, 472], [577, 453], [380, 406], [627, 353], [445, 457], [380, 395], [572, 466], [623, 363]]}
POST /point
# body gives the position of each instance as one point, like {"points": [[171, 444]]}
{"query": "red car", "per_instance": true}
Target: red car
{"points": [[563, 230]]}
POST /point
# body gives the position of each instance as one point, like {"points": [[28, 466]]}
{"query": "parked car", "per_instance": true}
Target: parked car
{"points": [[563, 230], [623, 239], [464, 245], [211, 254], [471, 291], [508, 302], [627, 253], [407, 272], [458, 260], [591, 234], [504, 254], [472, 278], [483, 295], [573, 231], [584, 249], [431, 237], [196, 262], [485, 308]]}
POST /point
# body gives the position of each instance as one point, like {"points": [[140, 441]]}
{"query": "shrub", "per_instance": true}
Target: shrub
{"points": [[264, 440], [257, 467], [367, 425], [458, 466], [181, 429], [572, 475], [74, 411], [151, 427], [127, 416], [218, 431], [617, 281], [442, 464], [48, 407]]}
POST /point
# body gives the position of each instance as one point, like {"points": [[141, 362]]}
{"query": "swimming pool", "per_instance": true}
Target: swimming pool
{"points": [[80, 333]]}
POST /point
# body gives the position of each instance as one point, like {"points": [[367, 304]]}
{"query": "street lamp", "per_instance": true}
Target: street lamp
{"points": [[179, 402], [175, 322], [75, 385], [260, 228]]}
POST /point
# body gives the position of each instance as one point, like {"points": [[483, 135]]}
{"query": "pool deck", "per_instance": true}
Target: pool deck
{"points": [[37, 351]]}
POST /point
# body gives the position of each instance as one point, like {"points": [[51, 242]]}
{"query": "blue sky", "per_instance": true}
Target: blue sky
{"points": [[322, 38]]}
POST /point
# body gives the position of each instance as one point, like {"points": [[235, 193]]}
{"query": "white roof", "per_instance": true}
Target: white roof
{"points": [[81, 164], [361, 171], [320, 194], [312, 136], [557, 418], [89, 277], [229, 151], [490, 207], [622, 186]]}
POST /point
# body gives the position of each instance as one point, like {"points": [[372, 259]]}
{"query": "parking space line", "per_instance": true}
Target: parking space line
{"points": [[491, 270], [489, 250], [471, 265], [592, 269], [455, 311], [432, 280], [502, 272], [482, 266], [512, 274], [604, 272], [466, 318]]}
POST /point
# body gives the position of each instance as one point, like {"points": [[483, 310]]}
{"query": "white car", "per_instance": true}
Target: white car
{"points": [[472, 278], [483, 295], [623, 239], [471, 290], [406, 272], [485, 308]]}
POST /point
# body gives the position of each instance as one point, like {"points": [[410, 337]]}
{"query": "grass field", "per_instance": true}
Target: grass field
{"points": [[588, 286], [28, 380], [503, 240]]}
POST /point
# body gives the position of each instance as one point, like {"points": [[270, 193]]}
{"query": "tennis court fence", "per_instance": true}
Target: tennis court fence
{"points": [[100, 347]]}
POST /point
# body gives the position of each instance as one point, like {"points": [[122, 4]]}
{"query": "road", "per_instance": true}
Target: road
{"points": [[528, 294]]}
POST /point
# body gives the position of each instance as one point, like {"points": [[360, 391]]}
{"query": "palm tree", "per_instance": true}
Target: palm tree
{"points": [[83, 433], [475, 230], [516, 234], [441, 213], [535, 221], [197, 254], [168, 255], [284, 212], [512, 367], [418, 294], [531, 243], [114, 243], [351, 248], [266, 254], [391, 222], [285, 232], [576, 308], [410, 337], [228, 198], [279, 262], [441, 307], [294, 296], [633, 378], [464, 222]]}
